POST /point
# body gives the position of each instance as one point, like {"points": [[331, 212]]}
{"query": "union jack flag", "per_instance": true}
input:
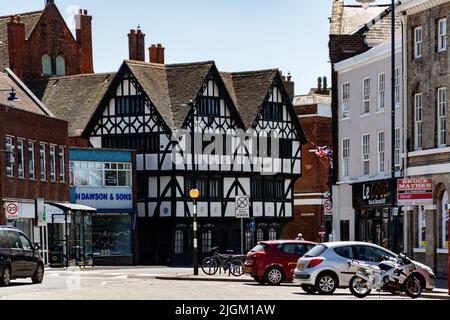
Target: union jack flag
{"points": [[324, 152]]}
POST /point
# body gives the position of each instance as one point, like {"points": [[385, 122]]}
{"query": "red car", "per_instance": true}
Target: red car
{"points": [[273, 262]]}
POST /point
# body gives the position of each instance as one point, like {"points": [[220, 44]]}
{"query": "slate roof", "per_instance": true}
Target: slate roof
{"points": [[26, 100], [170, 87], [248, 91], [73, 98], [30, 19]]}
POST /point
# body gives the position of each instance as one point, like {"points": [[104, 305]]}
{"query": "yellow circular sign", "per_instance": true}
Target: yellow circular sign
{"points": [[194, 193]]}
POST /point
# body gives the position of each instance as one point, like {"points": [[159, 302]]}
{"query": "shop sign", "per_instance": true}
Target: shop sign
{"points": [[414, 192], [373, 193], [12, 210], [40, 212], [105, 198]]}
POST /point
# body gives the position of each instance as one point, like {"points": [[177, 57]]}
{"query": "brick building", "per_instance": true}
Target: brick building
{"points": [[33, 157], [311, 191], [39, 44], [428, 138], [353, 31]]}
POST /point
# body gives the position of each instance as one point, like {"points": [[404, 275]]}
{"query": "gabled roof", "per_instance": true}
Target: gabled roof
{"points": [[248, 91], [73, 98], [170, 87], [30, 19], [26, 99]]}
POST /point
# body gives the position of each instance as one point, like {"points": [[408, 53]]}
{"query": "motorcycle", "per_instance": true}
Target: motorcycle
{"points": [[393, 275]]}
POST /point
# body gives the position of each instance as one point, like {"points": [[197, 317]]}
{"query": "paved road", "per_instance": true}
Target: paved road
{"points": [[147, 284]]}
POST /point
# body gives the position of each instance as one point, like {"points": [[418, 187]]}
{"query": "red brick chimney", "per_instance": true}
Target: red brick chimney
{"points": [[136, 45], [16, 46], [84, 39], [157, 53]]}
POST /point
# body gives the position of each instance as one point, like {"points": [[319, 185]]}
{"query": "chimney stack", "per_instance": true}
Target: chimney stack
{"points": [[83, 23], [157, 53], [136, 45], [16, 46]]}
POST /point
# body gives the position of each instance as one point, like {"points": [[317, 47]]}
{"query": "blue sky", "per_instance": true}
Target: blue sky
{"points": [[239, 35]]}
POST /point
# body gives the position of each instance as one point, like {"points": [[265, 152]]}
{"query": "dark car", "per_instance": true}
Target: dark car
{"points": [[19, 258], [273, 262]]}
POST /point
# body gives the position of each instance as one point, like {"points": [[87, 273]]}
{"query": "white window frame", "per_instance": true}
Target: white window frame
{"points": [[9, 144], [52, 163], [62, 164], [365, 153], [365, 96], [381, 101], [397, 92], [442, 117], [346, 100], [43, 161], [31, 161], [397, 148], [346, 157], [381, 149], [442, 34], [418, 39], [20, 159], [418, 118]]}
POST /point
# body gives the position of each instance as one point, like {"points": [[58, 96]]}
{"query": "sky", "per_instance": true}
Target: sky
{"points": [[239, 35]]}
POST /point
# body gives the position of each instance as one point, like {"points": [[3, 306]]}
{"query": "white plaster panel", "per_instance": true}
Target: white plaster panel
{"points": [[288, 210], [141, 209], [216, 209], [202, 209], [112, 108], [286, 166], [245, 183], [231, 210], [165, 209], [227, 183], [163, 183], [180, 181], [257, 209], [139, 162], [151, 161], [180, 210], [152, 187], [270, 209], [167, 163], [96, 142], [151, 209]]}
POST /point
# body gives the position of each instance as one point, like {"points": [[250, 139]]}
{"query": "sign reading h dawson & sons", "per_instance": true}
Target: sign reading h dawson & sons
{"points": [[372, 193], [105, 198]]}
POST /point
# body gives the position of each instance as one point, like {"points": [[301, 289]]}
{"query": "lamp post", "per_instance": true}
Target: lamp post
{"points": [[195, 194], [365, 4]]}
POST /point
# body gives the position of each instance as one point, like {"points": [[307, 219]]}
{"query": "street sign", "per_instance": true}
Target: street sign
{"points": [[328, 205], [242, 207], [252, 225], [41, 216], [12, 210]]}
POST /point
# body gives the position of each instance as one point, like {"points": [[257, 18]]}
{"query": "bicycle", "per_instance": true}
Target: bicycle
{"points": [[232, 263]]}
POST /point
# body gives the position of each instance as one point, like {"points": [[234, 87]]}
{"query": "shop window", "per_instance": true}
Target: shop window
{"points": [[206, 241], [111, 235], [421, 228], [444, 219], [259, 234], [179, 242], [273, 234], [249, 244]]}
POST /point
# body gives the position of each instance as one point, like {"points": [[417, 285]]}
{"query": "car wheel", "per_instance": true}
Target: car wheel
{"points": [[326, 283], [308, 288], [5, 277], [259, 280], [274, 276], [38, 275]]}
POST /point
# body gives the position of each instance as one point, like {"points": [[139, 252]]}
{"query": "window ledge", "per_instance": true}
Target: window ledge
{"points": [[365, 115], [344, 119], [419, 250], [380, 111]]}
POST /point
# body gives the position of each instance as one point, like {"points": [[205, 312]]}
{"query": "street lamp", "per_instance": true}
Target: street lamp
{"points": [[12, 97], [365, 4], [195, 194]]}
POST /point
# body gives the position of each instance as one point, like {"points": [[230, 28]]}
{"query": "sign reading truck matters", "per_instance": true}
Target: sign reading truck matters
{"points": [[414, 192]]}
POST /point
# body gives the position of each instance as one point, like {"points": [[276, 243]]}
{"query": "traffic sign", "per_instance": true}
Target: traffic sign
{"points": [[242, 207], [328, 205], [12, 210], [252, 225]]}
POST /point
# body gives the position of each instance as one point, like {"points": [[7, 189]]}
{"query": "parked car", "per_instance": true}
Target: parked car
{"points": [[273, 262], [325, 267], [19, 258]]}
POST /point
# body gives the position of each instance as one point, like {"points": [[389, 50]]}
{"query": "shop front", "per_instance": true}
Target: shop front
{"points": [[377, 221]]}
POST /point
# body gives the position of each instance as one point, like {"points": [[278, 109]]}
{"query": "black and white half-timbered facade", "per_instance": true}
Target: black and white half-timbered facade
{"points": [[247, 141]]}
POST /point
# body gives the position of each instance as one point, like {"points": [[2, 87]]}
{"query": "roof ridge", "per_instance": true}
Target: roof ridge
{"points": [[21, 14], [168, 66], [76, 76], [251, 72]]}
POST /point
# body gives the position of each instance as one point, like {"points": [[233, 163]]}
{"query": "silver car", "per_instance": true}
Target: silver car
{"points": [[325, 267]]}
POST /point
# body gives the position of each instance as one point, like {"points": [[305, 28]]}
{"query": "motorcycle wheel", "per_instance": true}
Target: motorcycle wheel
{"points": [[412, 287], [358, 287]]}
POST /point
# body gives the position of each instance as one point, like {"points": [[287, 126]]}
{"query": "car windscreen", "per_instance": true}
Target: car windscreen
{"points": [[259, 247], [316, 251]]}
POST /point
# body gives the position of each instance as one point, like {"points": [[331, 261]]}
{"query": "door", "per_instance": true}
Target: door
{"points": [[30, 262], [370, 255], [17, 255], [5, 251], [345, 253]]}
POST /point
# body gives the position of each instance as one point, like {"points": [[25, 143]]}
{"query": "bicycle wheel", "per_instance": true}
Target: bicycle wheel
{"points": [[209, 266], [237, 268]]}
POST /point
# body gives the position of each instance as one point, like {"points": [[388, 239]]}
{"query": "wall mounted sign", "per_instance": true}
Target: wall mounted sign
{"points": [[372, 193], [415, 192]]}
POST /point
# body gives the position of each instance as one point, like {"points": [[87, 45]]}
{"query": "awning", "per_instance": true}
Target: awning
{"points": [[71, 207]]}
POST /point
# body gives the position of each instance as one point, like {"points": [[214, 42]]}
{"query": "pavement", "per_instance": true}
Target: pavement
{"points": [[187, 274]]}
